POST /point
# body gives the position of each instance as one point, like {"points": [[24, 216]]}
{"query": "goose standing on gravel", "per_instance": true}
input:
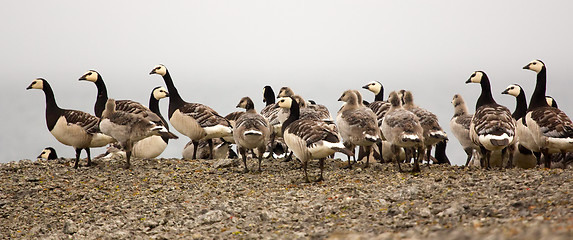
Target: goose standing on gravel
{"points": [[309, 139], [194, 120], [551, 128], [402, 129], [146, 148], [460, 126], [252, 131], [379, 107], [129, 128], [492, 128], [357, 124], [523, 156], [71, 127], [433, 132], [48, 153]]}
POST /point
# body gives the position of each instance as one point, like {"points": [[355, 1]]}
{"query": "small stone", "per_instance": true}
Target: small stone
{"points": [[70, 227]]}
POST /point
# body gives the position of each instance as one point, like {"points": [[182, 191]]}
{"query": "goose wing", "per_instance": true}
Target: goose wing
{"points": [[312, 131], [204, 115], [138, 109], [493, 119], [85, 120], [553, 122]]}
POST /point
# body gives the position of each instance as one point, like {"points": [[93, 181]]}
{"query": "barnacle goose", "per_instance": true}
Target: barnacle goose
{"points": [[551, 128], [460, 126], [492, 128], [48, 153], [309, 139], [402, 129], [357, 124], [251, 131], [523, 156], [71, 127], [194, 120], [433, 132], [129, 128]]}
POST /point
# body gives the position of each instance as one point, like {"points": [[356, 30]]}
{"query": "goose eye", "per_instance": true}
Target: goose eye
{"points": [[534, 63], [473, 75]]}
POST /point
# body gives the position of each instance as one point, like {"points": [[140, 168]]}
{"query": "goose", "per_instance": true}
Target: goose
{"points": [[380, 107], [146, 148], [271, 114], [129, 128], [492, 128], [252, 131], [71, 127], [523, 157], [194, 120], [357, 124], [221, 149], [309, 139], [48, 153], [402, 129], [551, 128], [433, 132], [460, 126]]}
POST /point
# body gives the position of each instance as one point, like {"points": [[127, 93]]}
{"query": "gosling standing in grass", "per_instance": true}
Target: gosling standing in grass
{"points": [[128, 128], [252, 131]]}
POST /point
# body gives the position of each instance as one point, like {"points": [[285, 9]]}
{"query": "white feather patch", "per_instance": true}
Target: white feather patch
{"points": [[252, 132]]}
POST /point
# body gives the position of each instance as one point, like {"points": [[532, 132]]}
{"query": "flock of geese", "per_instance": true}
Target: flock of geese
{"points": [[392, 130]]}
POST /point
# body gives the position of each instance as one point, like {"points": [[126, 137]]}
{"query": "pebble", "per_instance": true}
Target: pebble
{"points": [[175, 199]]}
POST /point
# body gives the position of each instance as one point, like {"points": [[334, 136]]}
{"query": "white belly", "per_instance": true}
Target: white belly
{"points": [[149, 147], [217, 131], [187, 126], [525, 137], [100, 140], [554, 145], [71, 134]]}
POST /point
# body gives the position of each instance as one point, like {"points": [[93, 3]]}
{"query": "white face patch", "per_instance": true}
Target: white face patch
{"points": [[91, 76], [160, 69], [37, 84], [160, 93], [285, 102], [513, 90], [535, 66], [549, 100], [375, 87], [476, 77], [45, 154]]}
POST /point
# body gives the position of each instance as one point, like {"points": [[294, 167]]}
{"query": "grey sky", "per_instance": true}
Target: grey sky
{"points": [[220, 51]]}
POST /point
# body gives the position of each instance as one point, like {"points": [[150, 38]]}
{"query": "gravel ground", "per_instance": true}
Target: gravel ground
{"points": [[171, 199]]}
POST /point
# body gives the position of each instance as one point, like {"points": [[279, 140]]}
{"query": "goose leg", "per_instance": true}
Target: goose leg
{"points": [[210, 142], [428, 155], [395, 151], [195, 146], [261, 151], [89, 156], [469, 153], [304, 166], [546, 157], [244, 155], [321, 163], [379, 144], [538, 157], [368, 150], [78, 152], [417, 153], [128, 148]]}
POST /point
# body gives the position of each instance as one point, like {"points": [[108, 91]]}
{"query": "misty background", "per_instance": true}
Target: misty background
{"points": [[220, 51]]}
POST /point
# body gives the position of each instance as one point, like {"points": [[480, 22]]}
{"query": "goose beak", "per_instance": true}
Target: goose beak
{"points": [[29, 87], [527, 66], [340, 99], [166, 94], [83, 77], [505, 92], [365, 86], [152, 72], [238, 105], [469, 81], [276, 105]]}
